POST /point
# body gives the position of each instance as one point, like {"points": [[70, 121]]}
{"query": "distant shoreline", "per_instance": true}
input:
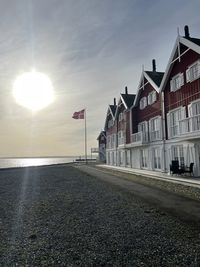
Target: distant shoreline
{"points": [[41, 157]]}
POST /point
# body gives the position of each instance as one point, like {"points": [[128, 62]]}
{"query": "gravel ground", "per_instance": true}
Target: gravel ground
{"points": [[59, 216], [183, 190]]}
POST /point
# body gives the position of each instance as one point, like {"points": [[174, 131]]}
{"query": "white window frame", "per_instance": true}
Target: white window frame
{"points": [[113, 141], [120, 138], [143, 102], [190, 77], [155, 128], [191, 108], [157, 158], [176, 82], [121, 116], [110, 123], [144, 158], [177, 152], [152, 97], [172, 132]]}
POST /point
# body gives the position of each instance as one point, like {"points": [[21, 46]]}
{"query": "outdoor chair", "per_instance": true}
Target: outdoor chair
{"points": [[175, 168], [189, 169]]}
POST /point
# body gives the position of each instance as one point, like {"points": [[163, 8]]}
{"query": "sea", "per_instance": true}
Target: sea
{"points": [[25, 162]]}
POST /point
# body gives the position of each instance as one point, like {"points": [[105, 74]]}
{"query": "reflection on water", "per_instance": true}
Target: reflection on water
{"points": [[23, 162]]}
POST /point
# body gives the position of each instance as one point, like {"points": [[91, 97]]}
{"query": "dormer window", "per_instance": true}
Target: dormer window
{"points": [[193, 72], [143, 102], [176, 82], [120, 116], [151, 97]]}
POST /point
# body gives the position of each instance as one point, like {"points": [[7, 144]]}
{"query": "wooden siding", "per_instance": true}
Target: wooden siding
{"points": [[150, 111], [112, 129], [128, 127], [189, 91], [121, 124]]}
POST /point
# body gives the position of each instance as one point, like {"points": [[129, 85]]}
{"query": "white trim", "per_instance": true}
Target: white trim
{"points": [[178, 76], [143, 103], [188, 71], [153, 97], [185, 42], [151, 82], [109, 111], [190, 44]]}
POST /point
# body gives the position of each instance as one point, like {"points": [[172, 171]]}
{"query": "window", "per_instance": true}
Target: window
{"points": [[143, 127], [177, 153], [109, 142], [176, 82], [157, 158], [193, 72], [120, 116], [110, 123], [113, 141], [194, 109], [120, 138], [155, 128], [194, 113], [143, 102], [152, 97], [144, 158], [120, 157], [128, 157], [173, 119]]}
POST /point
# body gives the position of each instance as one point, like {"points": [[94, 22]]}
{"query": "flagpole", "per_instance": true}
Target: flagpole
{"points": [[85, 139]]}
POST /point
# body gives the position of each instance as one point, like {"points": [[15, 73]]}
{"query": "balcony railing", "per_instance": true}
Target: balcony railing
{"points": [[155, 135], [140, 137], [189, 125], [121, 141], [174, 130]]}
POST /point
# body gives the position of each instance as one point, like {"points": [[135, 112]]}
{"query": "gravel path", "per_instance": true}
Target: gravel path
{"points": [[59, 216]]}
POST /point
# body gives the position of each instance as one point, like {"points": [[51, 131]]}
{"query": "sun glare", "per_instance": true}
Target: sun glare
{"points": [[33, 90]]}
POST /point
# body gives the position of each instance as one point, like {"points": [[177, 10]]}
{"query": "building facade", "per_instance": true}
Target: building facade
{"points": [[102, 146], [161, 123], [181, 89]]}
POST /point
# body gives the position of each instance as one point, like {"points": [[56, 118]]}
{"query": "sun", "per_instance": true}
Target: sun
{"points": [[33, 90]]}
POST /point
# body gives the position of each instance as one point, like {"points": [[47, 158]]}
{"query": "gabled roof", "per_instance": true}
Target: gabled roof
{"points": [[101, 133], [190, 43], [127, 100], [152, 77], [111, 110], [155, 76]]}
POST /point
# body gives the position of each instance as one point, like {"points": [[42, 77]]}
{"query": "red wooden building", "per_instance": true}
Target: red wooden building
{"points": [[181, 89], [111, 132], [146, 138], [123, 121], [161, 124]]}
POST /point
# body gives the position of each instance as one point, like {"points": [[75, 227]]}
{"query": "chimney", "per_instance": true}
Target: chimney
{"points": [[154, 65], [187, 34], [126, 90], [114, 101]]}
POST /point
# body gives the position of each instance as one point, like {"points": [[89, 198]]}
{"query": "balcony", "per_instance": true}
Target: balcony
{"points": [[139, 138], [121, 141], [155, 135], [189, 125]]}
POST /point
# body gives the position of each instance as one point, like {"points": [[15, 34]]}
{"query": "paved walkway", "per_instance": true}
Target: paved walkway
{"points": [[185, 180]]}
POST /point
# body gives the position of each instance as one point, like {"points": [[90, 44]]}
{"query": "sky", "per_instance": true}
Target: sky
{"points": [[91, 50]]}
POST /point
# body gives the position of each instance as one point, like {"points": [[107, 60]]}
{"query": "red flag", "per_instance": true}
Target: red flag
{"points": [[79, 114]]}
